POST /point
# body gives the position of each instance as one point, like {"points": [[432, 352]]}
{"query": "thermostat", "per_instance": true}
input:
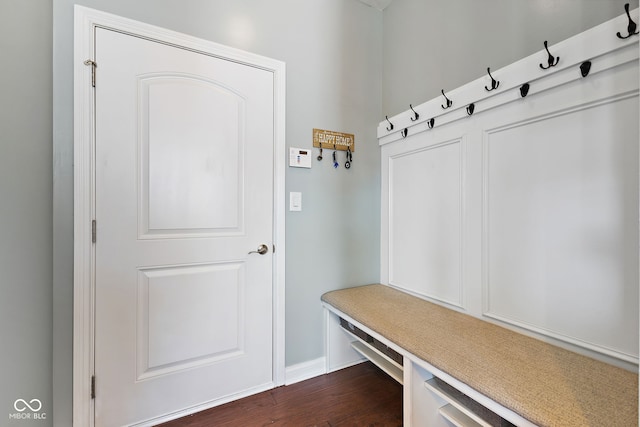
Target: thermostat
{"points": [[299, 158]]}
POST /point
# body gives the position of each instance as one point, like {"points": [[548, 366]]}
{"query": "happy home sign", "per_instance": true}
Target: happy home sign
{"points": [[333, 140]]}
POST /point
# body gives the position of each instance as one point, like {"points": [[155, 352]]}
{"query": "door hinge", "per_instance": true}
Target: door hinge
{"points": [[93, 386], [93, 71], [93, 231]]}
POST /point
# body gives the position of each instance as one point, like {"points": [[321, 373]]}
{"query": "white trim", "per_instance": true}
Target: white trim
{"points": [[280, 167], [305, 370], [201, 407], [346, 364], [85, 22], [391, 280], [83, 212]]}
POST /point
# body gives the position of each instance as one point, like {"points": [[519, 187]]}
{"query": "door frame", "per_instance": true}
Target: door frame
{"points": [[85, 22]]}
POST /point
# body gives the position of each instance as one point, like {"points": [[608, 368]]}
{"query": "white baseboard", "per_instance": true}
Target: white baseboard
{"points": [[305, 370], [346, 364], [313, 368], [293, 374], [202, 407]]}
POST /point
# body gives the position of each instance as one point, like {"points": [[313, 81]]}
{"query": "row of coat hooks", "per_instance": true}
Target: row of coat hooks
{"points": [[552, 61]]}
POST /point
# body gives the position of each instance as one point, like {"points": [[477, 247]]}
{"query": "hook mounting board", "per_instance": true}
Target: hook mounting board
{"points": [[330, 140]]}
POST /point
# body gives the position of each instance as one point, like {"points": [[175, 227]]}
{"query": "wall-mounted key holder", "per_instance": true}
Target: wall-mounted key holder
{"points": [[333, 140]]}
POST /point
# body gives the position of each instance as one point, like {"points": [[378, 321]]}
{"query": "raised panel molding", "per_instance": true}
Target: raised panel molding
{"points": [[186, 318], [575, 182], [213, 204], [551, 176], [429, 232]]}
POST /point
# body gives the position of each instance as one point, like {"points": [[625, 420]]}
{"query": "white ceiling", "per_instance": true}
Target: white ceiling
{"points": [[378, 4]]}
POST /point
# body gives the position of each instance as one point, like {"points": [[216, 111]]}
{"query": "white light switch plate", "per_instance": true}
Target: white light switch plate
{"points": [[295, 201]]}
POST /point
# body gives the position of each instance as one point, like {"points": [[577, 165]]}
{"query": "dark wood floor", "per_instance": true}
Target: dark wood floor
{"points": [[360, 396]]}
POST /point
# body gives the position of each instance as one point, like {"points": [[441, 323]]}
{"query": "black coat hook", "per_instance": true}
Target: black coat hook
{"points": [[449, 102], [416, 116], [524, 90], [494, 83], [552, 60], [431, 122], [404, 132], [470, 108], [631, 28], [585, 67], [390, 127]]}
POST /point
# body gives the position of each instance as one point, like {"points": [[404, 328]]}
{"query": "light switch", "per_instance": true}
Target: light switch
{"points": [[295, 201]]}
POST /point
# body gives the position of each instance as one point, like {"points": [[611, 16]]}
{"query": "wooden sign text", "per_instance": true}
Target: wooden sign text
{"points": [[333, 140]]}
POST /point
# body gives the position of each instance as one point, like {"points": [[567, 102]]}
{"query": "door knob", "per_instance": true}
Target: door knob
{"points": [[262, 249]]}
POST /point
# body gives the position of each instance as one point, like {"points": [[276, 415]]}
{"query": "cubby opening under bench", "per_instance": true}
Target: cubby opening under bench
{"points": [[463, 371]]}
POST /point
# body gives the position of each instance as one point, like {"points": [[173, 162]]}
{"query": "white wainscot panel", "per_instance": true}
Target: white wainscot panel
{"points": [[425, 233], [560, 230], [191, 150], [188, 316]]}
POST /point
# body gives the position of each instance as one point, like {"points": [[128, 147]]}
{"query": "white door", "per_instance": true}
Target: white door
{"points": [[184, 190]]}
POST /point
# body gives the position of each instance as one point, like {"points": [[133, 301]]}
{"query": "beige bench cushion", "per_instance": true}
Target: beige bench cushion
{"points": [[544, 383]]}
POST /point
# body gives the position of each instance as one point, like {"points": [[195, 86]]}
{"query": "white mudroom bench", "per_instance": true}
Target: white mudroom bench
{"points": [[471, 372]]}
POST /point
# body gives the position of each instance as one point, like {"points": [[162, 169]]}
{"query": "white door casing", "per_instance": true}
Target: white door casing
{"points": [[142, 223]]}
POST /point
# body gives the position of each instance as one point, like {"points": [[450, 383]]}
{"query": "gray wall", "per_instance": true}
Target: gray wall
{"points": [[25, 207], [337, 80], [438, 44], [333, 57]]}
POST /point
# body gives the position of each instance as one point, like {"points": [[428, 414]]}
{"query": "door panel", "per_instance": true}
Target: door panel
{"points": [[184, 190], [189, 316], [192, 176]]}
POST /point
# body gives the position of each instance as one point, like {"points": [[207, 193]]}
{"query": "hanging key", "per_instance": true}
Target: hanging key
{"points": [[347, 164]]}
